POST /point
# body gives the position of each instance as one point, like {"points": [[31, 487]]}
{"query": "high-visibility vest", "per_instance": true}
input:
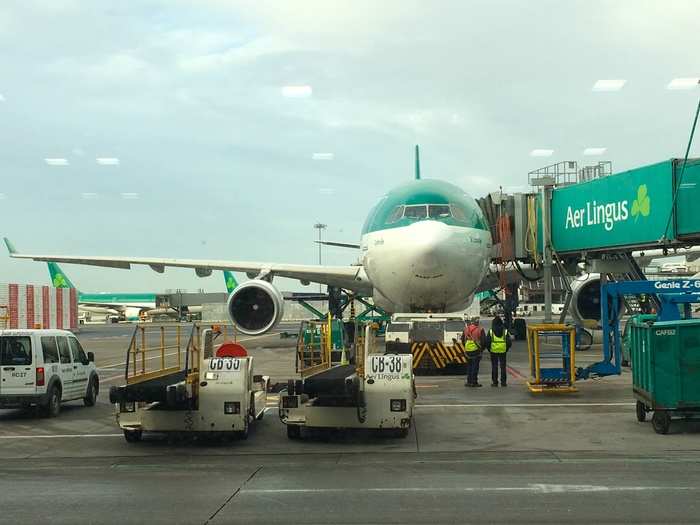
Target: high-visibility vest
{"points": [[498, 344], [470, 344]]}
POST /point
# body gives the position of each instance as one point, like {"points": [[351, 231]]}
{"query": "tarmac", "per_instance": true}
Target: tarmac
{"points": [[474, 455]]}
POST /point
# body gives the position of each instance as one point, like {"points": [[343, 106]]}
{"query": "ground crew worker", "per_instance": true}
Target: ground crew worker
{"points": [[498, 343], [474, 341]]}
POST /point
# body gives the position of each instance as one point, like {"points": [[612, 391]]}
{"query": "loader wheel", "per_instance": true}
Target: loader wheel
{"points": [[133, 436], [661, 421], [641, 412], [401, 433], [293, 431]]}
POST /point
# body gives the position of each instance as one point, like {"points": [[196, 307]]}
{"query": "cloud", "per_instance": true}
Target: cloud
{"points": [[243, 54], [107, 161], [122, 67]]}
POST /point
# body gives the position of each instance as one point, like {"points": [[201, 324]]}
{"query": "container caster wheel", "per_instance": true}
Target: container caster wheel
{"points": [[293, 431], [661, 421], [641, 412], [132, 436]]}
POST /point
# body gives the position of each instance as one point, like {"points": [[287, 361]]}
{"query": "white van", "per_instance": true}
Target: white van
{"points": [[43, 368]]}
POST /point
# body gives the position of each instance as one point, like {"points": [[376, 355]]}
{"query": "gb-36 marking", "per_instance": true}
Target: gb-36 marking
{"points": [[225, 363]]}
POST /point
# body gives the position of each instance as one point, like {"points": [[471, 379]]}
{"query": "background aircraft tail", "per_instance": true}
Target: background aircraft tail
{"points": [[231, 282], [58, 277]]}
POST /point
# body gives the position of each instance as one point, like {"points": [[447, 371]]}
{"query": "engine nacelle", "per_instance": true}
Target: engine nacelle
{"points": [[586, 297], [585, 301], [255, 307]]}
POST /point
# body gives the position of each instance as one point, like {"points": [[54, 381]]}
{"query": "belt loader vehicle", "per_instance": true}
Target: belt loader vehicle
{"points": [[365, 389], [213, 394]]}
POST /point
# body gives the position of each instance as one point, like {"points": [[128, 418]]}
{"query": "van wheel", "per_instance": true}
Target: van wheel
{"points": [[133, 436], [91, 395], [53, 406]]}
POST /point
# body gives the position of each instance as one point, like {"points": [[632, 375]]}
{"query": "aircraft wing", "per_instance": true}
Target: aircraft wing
{"points": [[348, 277]]}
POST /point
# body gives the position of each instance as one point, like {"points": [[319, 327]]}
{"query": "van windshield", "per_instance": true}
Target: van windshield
{"points": [[15, 350]]}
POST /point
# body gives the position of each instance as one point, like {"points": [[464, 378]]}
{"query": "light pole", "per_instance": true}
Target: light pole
{"points": [[320, 227]]}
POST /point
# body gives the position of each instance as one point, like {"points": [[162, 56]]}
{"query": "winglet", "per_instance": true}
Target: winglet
{"points": [[417, 163], [10, 247]]}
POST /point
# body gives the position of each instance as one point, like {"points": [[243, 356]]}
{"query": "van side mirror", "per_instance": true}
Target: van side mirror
{"points": [[91, 357]]}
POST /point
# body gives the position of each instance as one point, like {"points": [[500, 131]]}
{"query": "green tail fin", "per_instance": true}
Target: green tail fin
{"points": [[10, 247], [417, 163], [58, 278], [231, 282]]}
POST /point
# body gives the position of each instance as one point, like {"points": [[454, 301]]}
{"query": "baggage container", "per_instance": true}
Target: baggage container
{"points": [[665, 370]]}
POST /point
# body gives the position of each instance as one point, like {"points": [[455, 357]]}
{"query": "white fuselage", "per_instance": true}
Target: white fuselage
{"points": [[427, 266]]}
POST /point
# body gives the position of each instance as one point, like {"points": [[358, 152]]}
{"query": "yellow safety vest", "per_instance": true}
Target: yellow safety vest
{"points": [[470, 345], [498, 344]]}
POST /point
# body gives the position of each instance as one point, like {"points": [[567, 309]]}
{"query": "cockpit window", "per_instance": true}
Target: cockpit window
{"points": [[458, 214], [415, 212], [395, 215], [438, 211]]}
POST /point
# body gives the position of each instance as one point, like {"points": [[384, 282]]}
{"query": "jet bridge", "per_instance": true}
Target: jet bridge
{"points": [[613, 222]]}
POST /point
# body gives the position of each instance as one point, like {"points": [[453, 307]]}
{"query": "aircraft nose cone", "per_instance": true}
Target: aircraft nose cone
{"points": [[429, 250]]}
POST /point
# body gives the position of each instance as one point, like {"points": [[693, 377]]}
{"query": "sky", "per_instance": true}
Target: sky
{"points": [[226, 129]]}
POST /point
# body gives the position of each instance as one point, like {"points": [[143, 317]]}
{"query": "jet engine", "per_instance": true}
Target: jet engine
{"points": [[586, 296], [585, 302], [255, 307]]}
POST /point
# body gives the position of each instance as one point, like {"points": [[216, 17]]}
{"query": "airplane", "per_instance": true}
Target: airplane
{"points": [[425, 247], [132, 306]]}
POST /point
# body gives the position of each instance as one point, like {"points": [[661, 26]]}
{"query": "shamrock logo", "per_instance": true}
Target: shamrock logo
{"points": [[59, 281], [642, 204], [230, 283]]}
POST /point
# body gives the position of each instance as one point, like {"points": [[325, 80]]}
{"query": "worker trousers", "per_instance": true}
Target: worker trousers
{"points": [[496, 361], [473, 359]]}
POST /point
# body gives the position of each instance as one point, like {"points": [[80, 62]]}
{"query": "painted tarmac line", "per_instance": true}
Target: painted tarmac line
{"points": [[58, 436], [514, 372], [525, 405], [538, 488], [120, 376]]}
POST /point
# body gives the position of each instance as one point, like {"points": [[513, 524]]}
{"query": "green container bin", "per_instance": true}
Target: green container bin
{"points": [[666, 369]]}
